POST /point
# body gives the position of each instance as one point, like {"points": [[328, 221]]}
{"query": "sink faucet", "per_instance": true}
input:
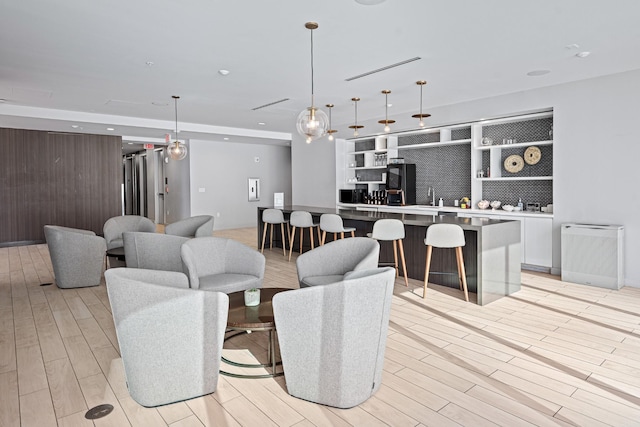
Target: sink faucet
{"points": [[431, 192]]}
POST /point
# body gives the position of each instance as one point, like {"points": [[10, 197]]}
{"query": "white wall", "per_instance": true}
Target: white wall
{"points": [[223, 168], [313, 171], [176, 201], [596, 150]]}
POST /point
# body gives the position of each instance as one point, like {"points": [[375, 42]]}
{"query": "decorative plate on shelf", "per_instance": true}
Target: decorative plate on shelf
{"points": [[513, 163], [532, 155]]}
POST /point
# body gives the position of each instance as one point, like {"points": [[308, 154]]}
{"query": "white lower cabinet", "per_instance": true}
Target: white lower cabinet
{"points": [[538, 241], [535, 237]]}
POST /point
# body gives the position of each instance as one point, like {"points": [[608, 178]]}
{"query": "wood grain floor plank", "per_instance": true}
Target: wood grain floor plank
{"points": [[36, 410], [65, 390], [10, 402], [31, 373]]}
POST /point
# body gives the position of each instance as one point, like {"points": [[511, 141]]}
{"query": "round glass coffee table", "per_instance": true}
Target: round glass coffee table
{"points": [[244, 320]]}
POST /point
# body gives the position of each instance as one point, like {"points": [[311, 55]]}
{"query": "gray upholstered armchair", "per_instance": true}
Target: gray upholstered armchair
{"points": [[153, 251], [224, 265], [77, 256], [196, 226], [330, 262], [332, 338], [170, 336], [114, 227]]}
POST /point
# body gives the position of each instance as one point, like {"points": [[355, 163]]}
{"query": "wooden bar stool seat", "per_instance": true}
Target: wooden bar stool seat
{"points": [[271, 217], [392, 230], [302, 220], [332, 223], [446, 236]]}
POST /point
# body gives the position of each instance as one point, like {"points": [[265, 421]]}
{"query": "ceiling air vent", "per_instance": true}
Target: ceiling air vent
{"points": [[270, 104], [368, 73]]}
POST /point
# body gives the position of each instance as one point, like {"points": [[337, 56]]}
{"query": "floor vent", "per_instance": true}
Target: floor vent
{"points": [[99, 411]]}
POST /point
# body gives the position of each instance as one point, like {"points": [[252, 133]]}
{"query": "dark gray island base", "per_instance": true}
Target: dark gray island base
{"points": [[491, 255]]}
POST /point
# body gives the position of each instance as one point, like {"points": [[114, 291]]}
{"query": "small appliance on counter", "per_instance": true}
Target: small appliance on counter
{"points": [[402, 177], [352, 195], [395, 198]]}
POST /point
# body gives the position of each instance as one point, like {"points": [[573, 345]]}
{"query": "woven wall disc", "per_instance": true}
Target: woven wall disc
{"points": [[532, 155], [513, 163]]}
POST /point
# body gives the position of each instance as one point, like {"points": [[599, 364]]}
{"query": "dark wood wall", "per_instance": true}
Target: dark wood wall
{"points": [[72, 180]]}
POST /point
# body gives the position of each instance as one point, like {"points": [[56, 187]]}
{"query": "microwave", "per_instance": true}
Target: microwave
{"points": [[352, 196]]}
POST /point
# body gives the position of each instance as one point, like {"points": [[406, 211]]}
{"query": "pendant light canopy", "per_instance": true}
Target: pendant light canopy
{"points": [[386, 122], [330, 131], [312, 122], [177, 150], [355, 126], [421, 116]]}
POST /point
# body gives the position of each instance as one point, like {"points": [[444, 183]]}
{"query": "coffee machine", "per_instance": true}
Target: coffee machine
{"points": [[401, 184]]}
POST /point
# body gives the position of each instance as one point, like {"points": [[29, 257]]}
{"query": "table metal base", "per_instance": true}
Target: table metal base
{"points": [[273, 363]]}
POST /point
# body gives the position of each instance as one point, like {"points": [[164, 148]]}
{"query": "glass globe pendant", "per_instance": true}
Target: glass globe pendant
{"points": [[312, 123], [177, 150]]}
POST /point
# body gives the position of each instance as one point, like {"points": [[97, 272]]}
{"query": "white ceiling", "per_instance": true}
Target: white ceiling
{"points": [[84, 63]]}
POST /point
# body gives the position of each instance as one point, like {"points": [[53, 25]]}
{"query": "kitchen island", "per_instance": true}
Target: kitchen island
{"points": [[491, 254]]}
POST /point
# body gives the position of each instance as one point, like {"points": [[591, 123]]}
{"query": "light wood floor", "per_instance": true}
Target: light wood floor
{"points": [[553, 354]]}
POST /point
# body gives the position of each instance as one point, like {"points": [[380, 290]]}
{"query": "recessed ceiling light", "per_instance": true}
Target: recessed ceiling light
{"points": [[583, 54], [536, 73], [226, 139], [75, 126], [223, 72], [130, 143], [261, 123], [110, 129]]}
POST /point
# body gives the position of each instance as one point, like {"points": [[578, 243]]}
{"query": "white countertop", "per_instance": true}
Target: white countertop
{"points": [[432, 210]]}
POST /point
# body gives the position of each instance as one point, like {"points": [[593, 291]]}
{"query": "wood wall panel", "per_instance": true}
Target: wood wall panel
{"points": [[72, 180]]}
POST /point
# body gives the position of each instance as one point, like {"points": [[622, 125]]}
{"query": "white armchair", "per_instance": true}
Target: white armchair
{"points": [[196, 226], [224, 265], [330, 262], [77, 256], [114, 227], [170, 336], [333, 337]]}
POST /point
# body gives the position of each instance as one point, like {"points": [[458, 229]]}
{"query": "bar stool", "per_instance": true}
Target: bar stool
{"points": [[302, 220], [272, 217], [446, 236], [332, 223], [392, 230]]}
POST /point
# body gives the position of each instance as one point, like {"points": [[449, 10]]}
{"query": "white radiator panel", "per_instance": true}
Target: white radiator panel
{"points": [[593, 255]]}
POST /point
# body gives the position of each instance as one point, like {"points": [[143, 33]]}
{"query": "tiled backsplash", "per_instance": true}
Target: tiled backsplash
{"points": [[446, 168], [509, 192]]}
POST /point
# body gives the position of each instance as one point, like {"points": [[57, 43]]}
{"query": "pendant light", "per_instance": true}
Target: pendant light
{"points": [[355, 126], [386, 122], [177, 150], [421, 116], [330, 131], [312, 122]]}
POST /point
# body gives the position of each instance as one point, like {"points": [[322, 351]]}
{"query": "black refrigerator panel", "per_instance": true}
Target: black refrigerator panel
{"points": [[403, 177]]}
